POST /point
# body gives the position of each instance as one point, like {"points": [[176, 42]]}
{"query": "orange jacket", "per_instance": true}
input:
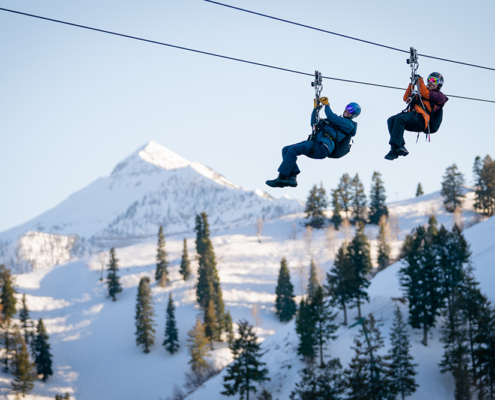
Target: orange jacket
{"points": [[425, 96]]}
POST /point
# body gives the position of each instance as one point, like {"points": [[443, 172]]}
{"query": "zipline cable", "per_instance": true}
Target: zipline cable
{"points": [[344, 36], [218, 55]]}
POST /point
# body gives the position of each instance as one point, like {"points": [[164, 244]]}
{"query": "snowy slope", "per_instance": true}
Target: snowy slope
{"points": [[151, 187], [93, 338]]}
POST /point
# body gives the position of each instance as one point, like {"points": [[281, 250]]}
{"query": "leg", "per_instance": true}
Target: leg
{"points": [[396, 127], [290, 153], [290, 167]]}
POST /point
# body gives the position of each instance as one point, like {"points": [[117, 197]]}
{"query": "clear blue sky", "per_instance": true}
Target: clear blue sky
{"points": [[74, 103]]}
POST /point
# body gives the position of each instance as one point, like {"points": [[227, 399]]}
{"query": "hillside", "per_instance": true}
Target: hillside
{"points": [[93, 340]]}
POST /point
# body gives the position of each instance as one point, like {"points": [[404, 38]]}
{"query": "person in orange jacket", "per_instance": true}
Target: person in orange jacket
{"points": [[418, 114]]}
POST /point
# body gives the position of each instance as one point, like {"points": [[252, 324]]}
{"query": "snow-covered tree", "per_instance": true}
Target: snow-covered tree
{"points": [[113, 282], [339, 280], [316, 204], [145, 331], [171, 341], [284, 303], [323, 321], [42, 355]]}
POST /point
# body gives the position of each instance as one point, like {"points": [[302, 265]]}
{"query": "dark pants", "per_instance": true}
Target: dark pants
{"points": [[290, 154], [411, 121]]}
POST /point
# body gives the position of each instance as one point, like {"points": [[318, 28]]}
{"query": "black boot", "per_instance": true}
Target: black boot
{"points": [[392, 154], [282, 181], [402, 151], [293, 180]]}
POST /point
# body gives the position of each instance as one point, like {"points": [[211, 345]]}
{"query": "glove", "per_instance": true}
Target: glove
{"points": [[315, 103], [324, 100]]}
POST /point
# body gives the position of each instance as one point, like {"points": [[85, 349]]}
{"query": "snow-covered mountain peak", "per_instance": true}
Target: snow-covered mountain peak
{"points": [[147, 158]]}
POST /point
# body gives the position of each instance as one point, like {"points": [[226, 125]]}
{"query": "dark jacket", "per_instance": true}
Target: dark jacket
{"points": [[333, 120]]}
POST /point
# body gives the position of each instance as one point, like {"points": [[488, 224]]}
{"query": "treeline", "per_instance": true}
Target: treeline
{"points": [[24, 348]]}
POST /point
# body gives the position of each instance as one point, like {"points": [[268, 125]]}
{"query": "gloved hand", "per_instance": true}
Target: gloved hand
{"points": [[324, 100], [315, 103]]}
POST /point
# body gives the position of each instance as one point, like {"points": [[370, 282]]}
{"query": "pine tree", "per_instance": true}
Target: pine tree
{"points": [[229, 328], [368, 374], [7, 295], [43, 357], [316, 204], [323, 321], [360, 262], [284, 303], [383, 258], [336, 208], [339, 281], [265, 395], [212, 328], [24, 318], [358, 200], [208, 285], [305, 331], [8, 345], [145, 333], [171, 341], [307, 388], [420, 279], [402, 371], [161, 273], [247, 367], [452, 186], [313, 281], [197, 344], [345, 194], [419, 190], [112, 277], [485, 353], [185, 264], [24, 374], [484, 177], [378, 209]]}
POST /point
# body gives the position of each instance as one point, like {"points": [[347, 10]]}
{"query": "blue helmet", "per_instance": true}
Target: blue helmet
{"points": [[354, 109]]}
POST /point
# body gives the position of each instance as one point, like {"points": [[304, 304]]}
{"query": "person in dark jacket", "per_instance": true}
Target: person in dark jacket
{"points": [[417, 118], [331, 128]]}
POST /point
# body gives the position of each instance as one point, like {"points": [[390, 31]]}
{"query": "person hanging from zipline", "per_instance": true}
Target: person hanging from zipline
{"points": [[331, 138], [424, 112]]}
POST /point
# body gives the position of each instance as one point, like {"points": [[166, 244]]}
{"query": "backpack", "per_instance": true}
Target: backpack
{"points": [[343, 147], [435, 121]]}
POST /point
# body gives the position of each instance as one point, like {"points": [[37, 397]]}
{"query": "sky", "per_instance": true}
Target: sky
{"points": [[74, 103]]}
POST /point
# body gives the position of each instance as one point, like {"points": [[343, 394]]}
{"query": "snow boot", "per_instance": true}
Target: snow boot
{"points": [[392, 154], [402, 151], [282, 181]]}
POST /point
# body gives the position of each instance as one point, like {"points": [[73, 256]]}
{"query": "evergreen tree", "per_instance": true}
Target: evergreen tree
{"points": [[7, 295], [208, 285], [383, 258], [419, 190], [197, 344], [485, 353], [229, 328], [336, 208], [368, 372], [402, 371], [247, 367], [484, 177], [24, 374], [171, 341], [43, 357], [316, 204], [420, 279], [59, 396], [284, 303], [377, 199], [8, 344], [24, 318], [323, 321], [112, 277], [313, 281], [212, 329], [185, 264], [339, 281], [360, 262], [345, 194], [358, 200], [161, 273], [452, 188], [265, 395], [145, 333], [305, 331]]}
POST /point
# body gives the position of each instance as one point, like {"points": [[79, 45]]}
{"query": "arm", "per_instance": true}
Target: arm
{"points": [[313, 116], [423, 90], [408, 92], [343, 123]]}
